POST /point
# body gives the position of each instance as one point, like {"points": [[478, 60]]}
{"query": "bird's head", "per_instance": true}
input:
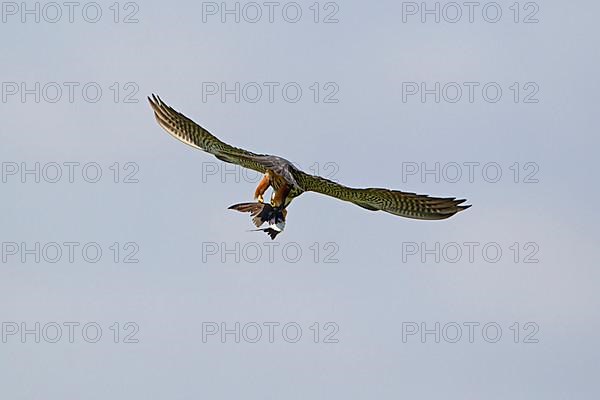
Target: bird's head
{"points": [[277, 221]]}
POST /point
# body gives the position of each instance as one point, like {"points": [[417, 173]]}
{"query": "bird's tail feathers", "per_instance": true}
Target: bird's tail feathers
{"points": [[269, 231]]}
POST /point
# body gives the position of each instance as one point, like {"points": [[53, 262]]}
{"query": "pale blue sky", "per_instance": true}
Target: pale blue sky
{"points": [[172, 215]]}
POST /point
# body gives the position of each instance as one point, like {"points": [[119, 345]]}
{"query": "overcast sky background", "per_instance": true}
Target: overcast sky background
{"points": [[177, 217]]}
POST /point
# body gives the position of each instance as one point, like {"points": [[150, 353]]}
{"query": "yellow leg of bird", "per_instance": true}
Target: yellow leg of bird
{"points": [[262, 187], [280, 195]]}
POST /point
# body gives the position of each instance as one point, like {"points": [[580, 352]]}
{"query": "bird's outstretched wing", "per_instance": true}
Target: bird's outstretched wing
{"points": [[409, 205], [190, 133]]}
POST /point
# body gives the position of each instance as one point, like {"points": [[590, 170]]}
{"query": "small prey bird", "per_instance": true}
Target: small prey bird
{"points": [[289, 182], [264, 212]]}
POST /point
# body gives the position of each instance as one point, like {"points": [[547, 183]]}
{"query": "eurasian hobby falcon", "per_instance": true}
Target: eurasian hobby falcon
{"points": [[289, 182]]}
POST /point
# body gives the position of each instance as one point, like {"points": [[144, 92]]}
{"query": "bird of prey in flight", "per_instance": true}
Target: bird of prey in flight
{"points": [[289, 182]]}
